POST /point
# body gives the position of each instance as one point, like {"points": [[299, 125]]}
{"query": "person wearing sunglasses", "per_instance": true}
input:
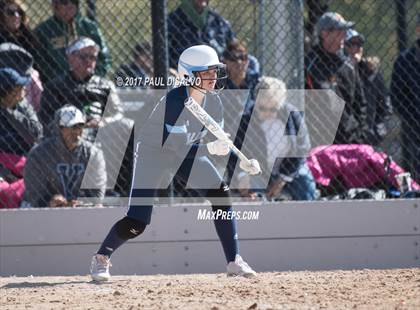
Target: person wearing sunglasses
{"points": [[96, 96], [57, 32], [379, 107], [267, 123], [56, 168], [243, 75], [14, 26]]}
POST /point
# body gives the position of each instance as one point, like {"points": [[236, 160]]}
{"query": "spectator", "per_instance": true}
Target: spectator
{"points": [[379, 107], [194, 23], [327, 68], [290, 176], [80, 86], [56, 33], [141, 66], [243, 73], [405, 97], [97, 98], [243, 69], [16, 57], [19, 130], [14, 26], [56, 167]]}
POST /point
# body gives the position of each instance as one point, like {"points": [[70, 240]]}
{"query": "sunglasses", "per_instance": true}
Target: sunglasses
{"points": [[85, 56], [237, 57], [12, 12], [264, 109], [354, 44]]}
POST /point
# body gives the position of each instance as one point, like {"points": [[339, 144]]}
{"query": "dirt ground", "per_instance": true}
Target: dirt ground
{"points": [[358, 289]]}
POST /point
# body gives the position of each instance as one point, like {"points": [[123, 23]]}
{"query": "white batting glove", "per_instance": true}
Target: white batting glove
{"points": [[252, 168], [218, 147]]}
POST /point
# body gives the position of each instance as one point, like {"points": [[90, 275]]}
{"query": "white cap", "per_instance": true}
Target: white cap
{"points": [[69, 115], [79, 44]]}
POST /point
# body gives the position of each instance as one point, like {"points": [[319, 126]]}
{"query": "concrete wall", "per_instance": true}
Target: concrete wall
{"points": [[287, 236]]}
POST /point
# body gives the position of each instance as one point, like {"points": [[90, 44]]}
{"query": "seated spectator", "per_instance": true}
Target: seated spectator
{"points": [[19, 131], [243, 69], [14, 26], [243, 74], [57, 32], [290, 177], [20, 128], [379, 106], [194, 23], [97, 98], [141, 66], [16, 57], [56, 167], [80, 86]]}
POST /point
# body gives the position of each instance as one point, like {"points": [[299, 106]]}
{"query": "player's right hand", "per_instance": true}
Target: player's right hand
{"points": [[218, 147], [252, 167]]}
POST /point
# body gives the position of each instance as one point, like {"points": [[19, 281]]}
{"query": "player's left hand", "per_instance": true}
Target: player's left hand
{"points": [[253, 167]]}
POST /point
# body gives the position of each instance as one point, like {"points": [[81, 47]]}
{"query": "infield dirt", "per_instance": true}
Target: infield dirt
{"points": [[357, 289]]}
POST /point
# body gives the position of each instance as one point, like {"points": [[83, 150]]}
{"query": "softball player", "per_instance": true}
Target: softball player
{"points": [[170, 133]]}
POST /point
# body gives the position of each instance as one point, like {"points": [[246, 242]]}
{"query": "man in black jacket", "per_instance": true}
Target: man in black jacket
{"points": [[405, 97], [328, 69]]}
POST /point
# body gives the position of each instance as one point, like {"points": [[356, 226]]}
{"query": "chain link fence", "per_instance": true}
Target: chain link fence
{"points": [[267, 45]]}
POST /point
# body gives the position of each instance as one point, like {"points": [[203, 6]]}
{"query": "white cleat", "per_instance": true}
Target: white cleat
{"points": [[240, 268], [99, 268]]}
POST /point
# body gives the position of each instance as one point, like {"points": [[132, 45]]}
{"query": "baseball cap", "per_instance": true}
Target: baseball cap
{"points": [[351, 33], [79, 44], [69, 115], [10, 78], [333, 20]]}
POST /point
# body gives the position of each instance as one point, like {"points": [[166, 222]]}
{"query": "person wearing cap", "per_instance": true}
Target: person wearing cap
{"points": [[327, 68], [57, 32], [141, 67], [20, 128], [94, 95], [56, 167], [405, 98], [19, 131], [16, 57], [379, 107], [82, 87]]}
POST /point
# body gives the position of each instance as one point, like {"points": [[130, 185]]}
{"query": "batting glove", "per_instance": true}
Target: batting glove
{"points": [[253, 167], [218, 147]]}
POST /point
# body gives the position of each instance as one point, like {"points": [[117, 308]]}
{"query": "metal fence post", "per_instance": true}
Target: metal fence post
{"points": [[160, 38], [401, 13]]}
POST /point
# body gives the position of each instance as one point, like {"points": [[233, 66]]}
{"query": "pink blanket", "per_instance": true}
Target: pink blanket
{"points": [[358, 165], [11, 194]]}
